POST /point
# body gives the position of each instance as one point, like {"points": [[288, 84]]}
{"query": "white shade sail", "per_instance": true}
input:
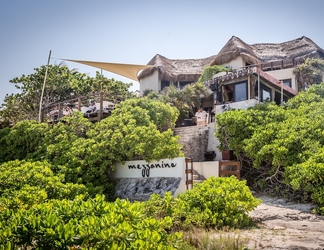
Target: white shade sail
{"points": [[127, 70]]}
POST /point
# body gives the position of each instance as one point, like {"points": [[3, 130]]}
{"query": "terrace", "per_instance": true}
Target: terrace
{"points": [[103, 107]]}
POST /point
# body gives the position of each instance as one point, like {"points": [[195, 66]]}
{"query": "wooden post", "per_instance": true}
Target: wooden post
{"points": [[42, 115], [101, 106], [249, 87], [42, 94], [79, 104], [59, 111]]}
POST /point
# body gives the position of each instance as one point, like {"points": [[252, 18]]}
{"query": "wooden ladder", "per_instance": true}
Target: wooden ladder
{"points": [[189, 173]]}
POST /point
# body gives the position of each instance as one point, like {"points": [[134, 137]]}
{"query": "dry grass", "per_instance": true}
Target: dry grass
{"points": [[214, 240]]}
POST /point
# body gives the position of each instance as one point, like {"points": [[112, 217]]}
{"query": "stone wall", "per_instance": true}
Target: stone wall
{"points": [[194, 140]]}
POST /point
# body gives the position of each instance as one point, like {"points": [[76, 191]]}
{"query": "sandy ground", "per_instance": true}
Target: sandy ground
{"points": [[285, 225]]}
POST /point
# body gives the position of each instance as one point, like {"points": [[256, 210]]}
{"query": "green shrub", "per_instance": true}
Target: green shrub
{"points": [[25, 183], [309, 176], [90, 224], [22, 140], [216, 202]]}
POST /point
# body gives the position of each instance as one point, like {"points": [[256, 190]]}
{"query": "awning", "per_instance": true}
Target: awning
{"points": [[127, 70]]}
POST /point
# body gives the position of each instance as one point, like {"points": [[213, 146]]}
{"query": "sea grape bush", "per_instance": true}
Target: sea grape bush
{"points": [[24, 184], [223, 201], [38, 211], [19, 142], [216, 202], [300, 176], [94, 223], [85, 224], [280, 146], [87, 153]]}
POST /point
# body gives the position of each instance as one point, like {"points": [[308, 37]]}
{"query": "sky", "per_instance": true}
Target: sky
{"points": [[129, 31]]}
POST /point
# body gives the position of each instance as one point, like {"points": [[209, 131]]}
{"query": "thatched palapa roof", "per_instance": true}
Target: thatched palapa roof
{"points": [[297, 49], [176, 70], [260, 53]]}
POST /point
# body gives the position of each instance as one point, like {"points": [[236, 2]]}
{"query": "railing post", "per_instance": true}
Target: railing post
{"points": [[101, 106], [79, 104], [189, 171]]}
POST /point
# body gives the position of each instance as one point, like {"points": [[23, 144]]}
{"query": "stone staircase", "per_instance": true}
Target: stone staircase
{"points": [[194, 140], [197, 178]]}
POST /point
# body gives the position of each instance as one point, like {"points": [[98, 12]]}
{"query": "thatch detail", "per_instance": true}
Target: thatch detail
{"points": [[297, 49], [233, 48], [176, 70]]}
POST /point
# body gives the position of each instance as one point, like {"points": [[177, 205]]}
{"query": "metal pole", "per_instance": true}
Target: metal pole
{"points": [[41, 99], [281, 93], [259, 94]]}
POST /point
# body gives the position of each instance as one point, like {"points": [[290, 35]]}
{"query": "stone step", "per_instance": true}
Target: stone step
{"points": [[186, 129], [194, 140], [195, 177]]}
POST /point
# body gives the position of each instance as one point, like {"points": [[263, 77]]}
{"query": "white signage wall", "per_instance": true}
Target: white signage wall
{"points": [[163, 168], [141, 169]]}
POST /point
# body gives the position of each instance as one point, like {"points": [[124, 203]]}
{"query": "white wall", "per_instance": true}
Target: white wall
{"points": [[150, 82], [212, 140], [207, 168], [136, 169], [282, 74], [176, 168], [236, 63], [163, 168]]}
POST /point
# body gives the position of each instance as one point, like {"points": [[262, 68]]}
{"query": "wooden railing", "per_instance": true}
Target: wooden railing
{"points": [[78, 103]]}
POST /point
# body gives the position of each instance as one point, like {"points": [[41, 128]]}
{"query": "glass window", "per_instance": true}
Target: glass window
{"points": [[240, 92], [182, 84], [164, 84], [287, 82], [266, 96]]}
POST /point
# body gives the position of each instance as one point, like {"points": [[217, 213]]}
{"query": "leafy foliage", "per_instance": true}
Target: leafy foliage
{"points": [[97, 224], [86, 224], [310, 72], [185, 100], [278, 143], [210, 71], [216, 202], [24, 184], [61, 84], [137, 129], [18, 142]]}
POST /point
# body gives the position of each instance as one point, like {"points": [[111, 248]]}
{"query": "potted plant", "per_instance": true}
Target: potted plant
{"points": [[227, 153]]}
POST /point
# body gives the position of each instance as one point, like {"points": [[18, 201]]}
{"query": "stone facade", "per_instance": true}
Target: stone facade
{"points": [[194, 140], [140, 189]]}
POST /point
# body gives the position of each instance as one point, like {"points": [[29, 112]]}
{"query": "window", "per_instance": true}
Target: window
{"points": [[265, 93], [287, 82], [266, 96], [164, 84], [240, 92], [182, 84]]}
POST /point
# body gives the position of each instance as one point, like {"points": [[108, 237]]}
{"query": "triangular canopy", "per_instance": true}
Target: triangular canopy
{"points": [[128, 70]]}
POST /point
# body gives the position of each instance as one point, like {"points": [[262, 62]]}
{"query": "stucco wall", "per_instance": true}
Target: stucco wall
{"points": [[284, 74], [150, 82], [212, 140], [207, 168], [236, 63]]}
